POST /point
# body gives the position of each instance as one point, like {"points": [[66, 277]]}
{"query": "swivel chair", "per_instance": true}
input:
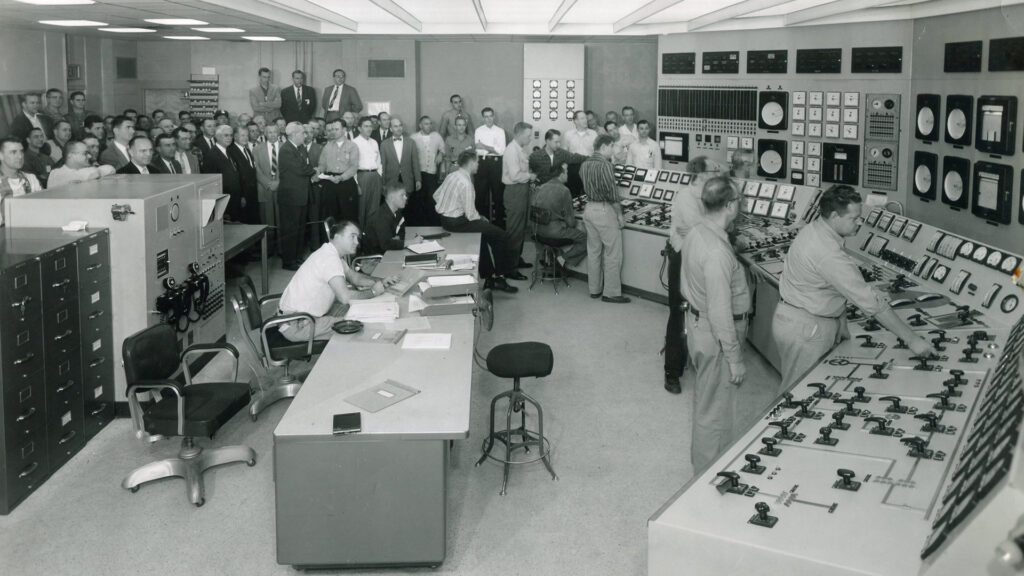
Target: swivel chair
{"points": [[272, 348], [547, 250], [151, 364]]}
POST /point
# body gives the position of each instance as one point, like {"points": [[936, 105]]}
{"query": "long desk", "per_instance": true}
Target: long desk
{"points": [[238, 237], [379, 497]]}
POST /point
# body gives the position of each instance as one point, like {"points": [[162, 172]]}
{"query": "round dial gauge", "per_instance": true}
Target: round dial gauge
{"points": [[536, 114], [1009, 304], [570, 84], [569, 115], [771, 162], [953, 186], [536, 104], [923, 178], [553, 115], [570, 94], [939, 274], [552, 104], [1009, 264], [772, 114], [925, 121], [553, 94], [875, 152], [966, 249], [876, 104], [536, 94], [956, 123], [175, 212], [553, 84], [536, 84], [570, 105], [980, 253]]}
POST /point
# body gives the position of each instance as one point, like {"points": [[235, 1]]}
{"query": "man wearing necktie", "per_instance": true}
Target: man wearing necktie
{"points": [[183, 152], [339, 98], [165, 163], [298, 101], [293, 191], [266, 159], [219, 162], [242, 157]]}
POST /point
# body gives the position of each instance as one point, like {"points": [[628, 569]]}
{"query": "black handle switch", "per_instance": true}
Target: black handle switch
{"points": [[940, 336], [918, 447], [852, 313], [803, 404], [968, 357], [839, 424], [871, 325], [769, 447], [951, 389], [943, 403], [881, 426], [915, 320], [826, 437], [958, 377], [849, 410], [788, 397], [981, 335], [859, 394], [878, 374], [922, 362], [867, 342], [753, 464], [762, 518], [900, 344], [933, 422], [896, 407], [846, 480], [783, 432], [732, 484], [820, 389]]}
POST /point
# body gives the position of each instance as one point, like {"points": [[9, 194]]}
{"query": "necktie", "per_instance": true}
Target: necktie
{"points": [[398, 138], [170, 166], [334, 97], [247, 155], [298, 95], [273, 160]]}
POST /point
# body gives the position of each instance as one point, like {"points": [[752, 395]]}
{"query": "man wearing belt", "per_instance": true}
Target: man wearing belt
{"points": [[716, 288], [517, 178], [604, 222], [368, 173], [339, 161], [490, 145], [818, 279]]}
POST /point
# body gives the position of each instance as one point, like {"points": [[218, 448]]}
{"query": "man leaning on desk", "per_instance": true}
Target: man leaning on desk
{"points": [[319, 286]]}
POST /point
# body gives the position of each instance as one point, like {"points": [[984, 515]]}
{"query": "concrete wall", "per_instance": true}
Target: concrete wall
{"points": [[32, 60], [620, 73], [483, 73]]}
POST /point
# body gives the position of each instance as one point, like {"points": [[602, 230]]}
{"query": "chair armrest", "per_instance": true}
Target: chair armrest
{"points": [[284, 319], [135, 409], [202, 349], [269, 298]]}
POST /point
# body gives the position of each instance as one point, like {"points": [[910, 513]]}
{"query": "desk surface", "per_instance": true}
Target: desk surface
{"points": [[443, 377], [237, 237]]}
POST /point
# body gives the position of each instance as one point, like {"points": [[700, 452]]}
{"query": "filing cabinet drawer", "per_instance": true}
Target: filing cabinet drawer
{"points": [[23, 480], [62, 374], [60, 328], [94, 260], [59, 276], [24, 413], [94, 311], [99, 413], [20, 291], [65, 433], [21, 454], [19, 397], [97, 355], [22, 350]]}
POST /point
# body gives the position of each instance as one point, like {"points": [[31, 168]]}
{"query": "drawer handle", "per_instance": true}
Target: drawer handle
{"points": [[62, 284], [29, 470], [26, 415], [95, 266], [60, 337], [65, 387], [97, 361], [67, 437], [99, 410], [26, 358], [22, 304], [95, 314]]}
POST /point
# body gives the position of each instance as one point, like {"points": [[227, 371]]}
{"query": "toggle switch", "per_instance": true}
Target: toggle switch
{"points": [[933, 422], [915, 320], [762, 518], [859, 395], [918, 447], [881, 426], [867, 342], [852, 313], [769, 447], [849, 410], [839, 424], [940, 336], [753, 464], [878, 374], [951, 389], [922, 363], [820, 389], [803, 404], [981, 335], [846, 480], [871, 325], [900, 344], [943, 403], [826, 437], [964, 314], [957, 377], [896, 407], [783, 433], [731, 484], [788, 397]]}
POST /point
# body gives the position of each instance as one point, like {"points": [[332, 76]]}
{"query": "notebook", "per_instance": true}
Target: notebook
{"points": [[427, 247], [380, 396], [427, 341]]}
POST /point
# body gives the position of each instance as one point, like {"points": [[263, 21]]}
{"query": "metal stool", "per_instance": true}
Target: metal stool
{"points": [[548, 249], [516, 361]]}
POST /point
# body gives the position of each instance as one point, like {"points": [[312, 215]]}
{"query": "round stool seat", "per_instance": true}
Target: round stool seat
{"points": [[554, 242], [520, 360]]}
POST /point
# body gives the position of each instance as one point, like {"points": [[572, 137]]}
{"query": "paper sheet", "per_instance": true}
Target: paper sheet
{"points": [[427, 247], [435, 281], [416, 303], [463, 261], [427, 341], [383, 309]]}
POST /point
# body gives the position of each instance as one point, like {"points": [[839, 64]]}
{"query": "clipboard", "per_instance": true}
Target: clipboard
{"points": [[380, 396]]}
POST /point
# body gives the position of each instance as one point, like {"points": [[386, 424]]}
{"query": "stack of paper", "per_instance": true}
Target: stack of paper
{"points": [[462, 261], [408, 278], [426, 247], [459, 280], [427, 341], [382, 309]]}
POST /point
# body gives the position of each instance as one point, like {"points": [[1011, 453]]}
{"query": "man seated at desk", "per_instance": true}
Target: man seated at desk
{"points": [[319, 288], [386, 228], [555, 198]]}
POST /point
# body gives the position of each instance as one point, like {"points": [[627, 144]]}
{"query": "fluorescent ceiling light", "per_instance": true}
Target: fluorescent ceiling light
{"points": [[72, 23], [218, 30], [186, 37], [176, 21], [264, 38], [127, 30], [56, 2]]}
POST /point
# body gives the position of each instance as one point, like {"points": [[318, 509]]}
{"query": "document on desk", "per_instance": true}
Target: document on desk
{"points": [[380, 396], [463, 261], [451, 280], [382, 309], [428, 247], [427, 341], [407, 279]]}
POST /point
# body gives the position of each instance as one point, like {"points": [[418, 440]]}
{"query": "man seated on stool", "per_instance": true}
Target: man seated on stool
{"points": [[555, 197], [386, 228], [318, 287]]}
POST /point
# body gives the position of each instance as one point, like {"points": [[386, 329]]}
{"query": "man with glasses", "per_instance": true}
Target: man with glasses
{"points": [[818, 280]]}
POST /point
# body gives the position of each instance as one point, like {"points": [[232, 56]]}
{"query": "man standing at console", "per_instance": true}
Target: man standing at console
{"points": [[604, 222]]}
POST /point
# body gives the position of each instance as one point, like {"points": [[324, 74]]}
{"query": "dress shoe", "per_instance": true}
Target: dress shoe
{"points": [[616, 299], [672, 384], [595, 296], [499, 283], [524, 264], [515, 276]]}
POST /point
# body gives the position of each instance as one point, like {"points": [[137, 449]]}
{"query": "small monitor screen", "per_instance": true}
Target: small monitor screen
{"points": [[991, 123], [673, 146], [988, 191]]}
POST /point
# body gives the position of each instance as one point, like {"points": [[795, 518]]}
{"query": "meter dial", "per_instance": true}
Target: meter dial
{"points": [[570, 84], [771, 162], [175, 212], [1009, 304], [925, 121], [536, 115], [956, 123], [923, 178], [570, 94], [553, 84], [772, 114], [939, 275], [570, 105], [953, 186], [536, 84], [1009, 264], [552, 104], [553, 115]]}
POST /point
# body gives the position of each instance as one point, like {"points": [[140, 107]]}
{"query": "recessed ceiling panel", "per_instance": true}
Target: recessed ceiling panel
{"points": [[688, 10]]}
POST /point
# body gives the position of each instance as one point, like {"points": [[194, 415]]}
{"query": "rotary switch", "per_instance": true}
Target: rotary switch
{"points": [[846, 480], [762, 518]]}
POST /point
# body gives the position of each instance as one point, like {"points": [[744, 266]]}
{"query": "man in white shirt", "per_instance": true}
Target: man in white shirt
{"points": [[183, 151], [368, 175], [140, 151], [430, 147], [76, 167], [643, 152], [340, 97], [579, 140], [516, 177], [13, 181], [490, 145], [628, 130], [319, 287]]}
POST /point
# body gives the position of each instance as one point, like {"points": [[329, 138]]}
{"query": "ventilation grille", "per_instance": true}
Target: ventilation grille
{"points": [[386, 69]]}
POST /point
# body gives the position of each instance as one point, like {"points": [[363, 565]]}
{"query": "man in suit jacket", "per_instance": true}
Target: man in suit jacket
{"points": [[383, 130], [140, 149], [265, 98], [400, 160], [340, 97], [244, 160], [552, 155], [30, 118], [293, 194], [217, 161], [188, 161], [313, 151], [298, 101], [164, 161], [266, 155], [205, 142], [116, 153]]}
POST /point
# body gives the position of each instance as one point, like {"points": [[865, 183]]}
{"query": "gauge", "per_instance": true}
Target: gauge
{"points": [[953, 187], [536, 84], [570, 84], [570, 105], [175, 212], [939, 275], [980, 254], [553, 84], [536, 114], [925, 121], [1009, 304], [536, 104], [771, 162], [923, 178], [772, 114], [570, 94], [876, 104], [536, 94], [956, 124], [553, 104], [569, 115], [1009, 265], [993, 259], [966, 249], [553, 94], [553, 115]]}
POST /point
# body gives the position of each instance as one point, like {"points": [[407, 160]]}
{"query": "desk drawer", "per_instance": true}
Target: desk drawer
{"points": [[19, 290], [59, 280], [94, 260]]}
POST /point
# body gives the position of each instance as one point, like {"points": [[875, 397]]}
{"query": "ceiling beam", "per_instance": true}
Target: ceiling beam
{"points": [[734, 11], [479, 7], [397, 11], [287, 15], [560, 13], [831, 9], [642, 13]]}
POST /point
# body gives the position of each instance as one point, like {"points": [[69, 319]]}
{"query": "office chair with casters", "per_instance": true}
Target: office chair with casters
{"points": [[547, 249], [151, 364], [272, 349]]}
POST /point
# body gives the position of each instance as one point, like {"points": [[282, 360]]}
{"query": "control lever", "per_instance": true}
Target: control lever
{"points": [[732, 484], [839, 424], [849, 410], [918, 447], [881, 426], [852, 313], [968, 357], [826, 437], [896, 406], [900, 344], [933, 422], [769, 447], [951, 389], [878, 374], [964, 314], [872, 325], [753, 464], [820, 389], [846, 480], [867, 342], [762, 518], [789, 403], [915, 320], [922, 363], [981, 335], [860, 397], [783, 432], [943, 403], [939, 340], [803, 404]]}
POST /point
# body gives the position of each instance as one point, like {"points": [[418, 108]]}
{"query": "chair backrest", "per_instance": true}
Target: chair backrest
{"points": [[151, 354]]}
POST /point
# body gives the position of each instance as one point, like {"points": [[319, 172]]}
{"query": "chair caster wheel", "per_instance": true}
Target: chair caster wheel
{"points": [[133, 489], [201, 502], [253, 416], [251, 463]]}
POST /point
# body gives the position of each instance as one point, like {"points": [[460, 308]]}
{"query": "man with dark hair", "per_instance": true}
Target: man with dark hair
{"points": [[222, 118], [77, 114], [339, 163], [381, 126], [14, 181], [265, 98], [158, 115], [555, 200], [164, 161], [490, 145], [604, 222], [447, 126], [92, 149], [116, 153], [140, 150], [30, 118], [369, 171], [455, 203], [644, 152], [544, 160], [593, 123], [339, 97], [386, 228], [131, 113], [458, 142], [36, 161], [742, 164], [218, 161], [267, 180], [205, 141], [183, 151], [54, 108], [61, 136], [93, 125], [184, 116], [715, 285], [293, 191], [430, 147], [77, 167], [629, 131], [818, 280], [244, 160], [516, 179], [298, 101]]}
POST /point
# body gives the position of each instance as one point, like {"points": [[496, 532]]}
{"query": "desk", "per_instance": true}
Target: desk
{"points": [[377, 498], [238, 237]]}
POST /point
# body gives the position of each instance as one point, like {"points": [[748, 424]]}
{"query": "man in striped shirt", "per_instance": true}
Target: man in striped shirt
{"points": [[604, 222]]}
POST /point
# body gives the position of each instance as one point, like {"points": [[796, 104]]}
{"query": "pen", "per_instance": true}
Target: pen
{"points": [[400, 335]]}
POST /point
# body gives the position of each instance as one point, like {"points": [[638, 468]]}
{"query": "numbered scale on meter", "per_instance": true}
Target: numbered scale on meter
{"points": [[958, 119], [953, 186], [923, 179], [927, 114]]}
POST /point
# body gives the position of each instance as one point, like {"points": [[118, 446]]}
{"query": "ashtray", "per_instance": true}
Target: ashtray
{"points": [[347, 326]]}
